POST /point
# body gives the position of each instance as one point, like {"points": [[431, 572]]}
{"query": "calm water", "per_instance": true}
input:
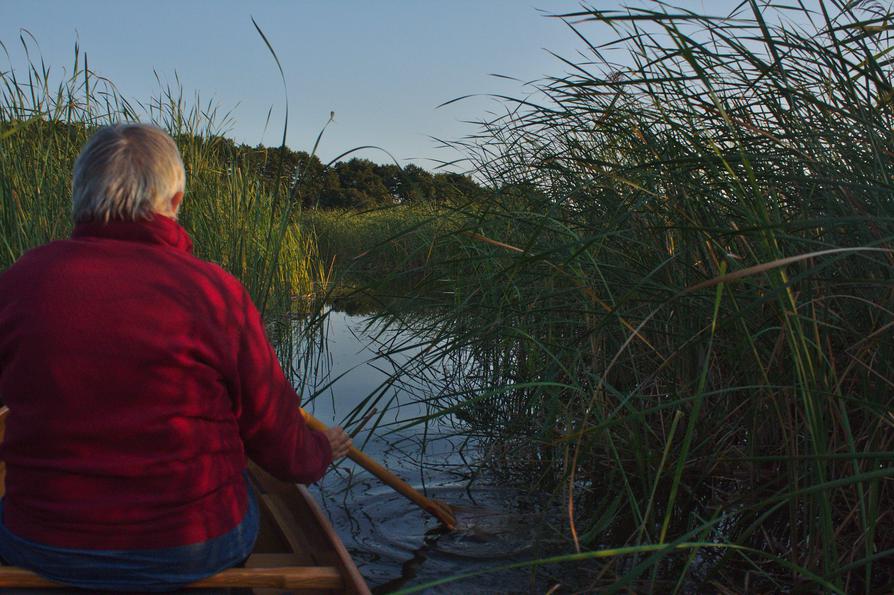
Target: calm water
{"points": [[393, 542]]}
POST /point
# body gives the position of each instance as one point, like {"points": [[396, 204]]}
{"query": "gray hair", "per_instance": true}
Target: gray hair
{"points": [[126, 171]]}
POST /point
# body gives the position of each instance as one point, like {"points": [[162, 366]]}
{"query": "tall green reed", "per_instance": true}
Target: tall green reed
{"points": [[232, 217], [684, 320]]}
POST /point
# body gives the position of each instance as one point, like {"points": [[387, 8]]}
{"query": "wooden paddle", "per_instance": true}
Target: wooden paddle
{"points": [[440, 510]]}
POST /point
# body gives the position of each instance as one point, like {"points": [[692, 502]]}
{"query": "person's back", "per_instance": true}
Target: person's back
{"points": [[138, 378]]}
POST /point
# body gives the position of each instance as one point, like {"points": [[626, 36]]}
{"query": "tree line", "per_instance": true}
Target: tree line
{"points": [[351, 184]]}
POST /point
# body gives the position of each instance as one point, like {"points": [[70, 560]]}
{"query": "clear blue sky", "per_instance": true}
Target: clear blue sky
{"points": [[382, 66]]}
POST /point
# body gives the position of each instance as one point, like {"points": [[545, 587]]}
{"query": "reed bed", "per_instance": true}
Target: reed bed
{"points": [[233, 217], [376, 240], [685, 322]]}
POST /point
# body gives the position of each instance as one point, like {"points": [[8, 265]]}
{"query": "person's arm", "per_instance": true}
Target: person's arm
{"points": [[266, 408]]}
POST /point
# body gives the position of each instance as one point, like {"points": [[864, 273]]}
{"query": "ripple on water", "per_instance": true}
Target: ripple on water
{"points": [[395, 543]]}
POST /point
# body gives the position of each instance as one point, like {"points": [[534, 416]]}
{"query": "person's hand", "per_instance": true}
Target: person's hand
{"points": [[339, 441]]}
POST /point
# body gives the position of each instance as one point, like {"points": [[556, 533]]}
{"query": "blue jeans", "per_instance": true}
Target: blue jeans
{"points": [[165, 569]]}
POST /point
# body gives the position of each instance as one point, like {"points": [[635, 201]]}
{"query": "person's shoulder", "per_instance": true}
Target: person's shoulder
{"points": [[34, 266], [32, 257], [218, 274]]}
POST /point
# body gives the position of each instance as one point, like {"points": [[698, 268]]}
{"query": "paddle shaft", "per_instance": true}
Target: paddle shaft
{"points": [[438, 509]]}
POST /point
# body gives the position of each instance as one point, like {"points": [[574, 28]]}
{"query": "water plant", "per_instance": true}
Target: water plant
{"points": [[230, 212], [685, 320]]}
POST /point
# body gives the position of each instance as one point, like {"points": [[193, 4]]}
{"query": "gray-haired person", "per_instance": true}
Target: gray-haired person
{"points": [[139, 379]]}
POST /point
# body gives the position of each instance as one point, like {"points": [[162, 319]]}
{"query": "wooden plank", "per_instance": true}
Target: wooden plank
{"points": [[272, 561], [276, 561], [270, 537], [296, 512], [294, 533], [295, 577], [354, 581], [292, 514]]}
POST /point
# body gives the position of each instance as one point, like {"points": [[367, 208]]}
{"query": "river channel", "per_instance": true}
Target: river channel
{"points": [[395, 544]]}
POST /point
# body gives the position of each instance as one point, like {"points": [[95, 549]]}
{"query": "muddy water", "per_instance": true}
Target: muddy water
{"points": [[394, 543]]}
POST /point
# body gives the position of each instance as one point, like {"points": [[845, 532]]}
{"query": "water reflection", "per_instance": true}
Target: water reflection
{"points": [[393, 542]]}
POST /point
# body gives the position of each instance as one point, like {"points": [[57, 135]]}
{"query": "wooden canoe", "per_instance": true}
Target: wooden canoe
{"points": [[297, 548]]}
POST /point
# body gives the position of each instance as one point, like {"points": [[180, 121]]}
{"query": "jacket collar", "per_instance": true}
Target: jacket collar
{"points": [[159, 230]]}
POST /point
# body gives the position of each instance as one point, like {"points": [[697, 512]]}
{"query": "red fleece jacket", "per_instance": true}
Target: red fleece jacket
{"points": [[138, 378]]}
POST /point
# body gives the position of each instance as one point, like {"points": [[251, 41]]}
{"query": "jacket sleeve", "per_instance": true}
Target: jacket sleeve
{"points": [[273, 430]]}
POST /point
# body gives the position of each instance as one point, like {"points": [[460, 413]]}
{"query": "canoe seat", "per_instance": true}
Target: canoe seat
{"points": [[270, 577]]}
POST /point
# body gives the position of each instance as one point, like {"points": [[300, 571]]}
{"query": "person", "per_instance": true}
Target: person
{"points": [[139, 380]]}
